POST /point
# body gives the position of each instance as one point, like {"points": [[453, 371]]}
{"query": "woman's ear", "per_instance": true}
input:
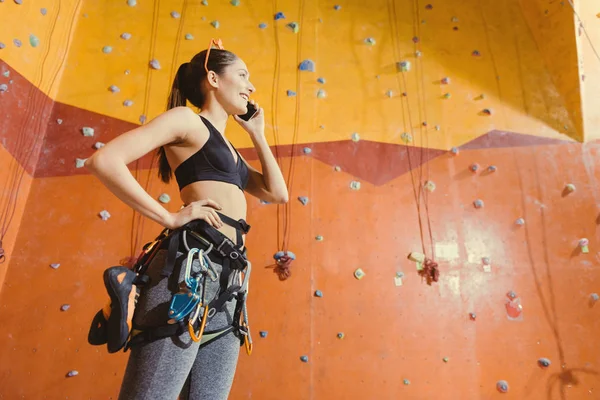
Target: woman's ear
{"points": [[213, 79]]}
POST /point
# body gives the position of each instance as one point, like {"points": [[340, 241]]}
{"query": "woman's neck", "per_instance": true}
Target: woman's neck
{"points": [[217, 116]]}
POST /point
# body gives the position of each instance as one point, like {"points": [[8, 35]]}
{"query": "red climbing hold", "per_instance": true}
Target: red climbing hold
{"points": [[430, 271]]}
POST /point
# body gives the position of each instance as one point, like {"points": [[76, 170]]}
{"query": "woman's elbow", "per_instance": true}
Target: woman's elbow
{"points": [[280, 198]]}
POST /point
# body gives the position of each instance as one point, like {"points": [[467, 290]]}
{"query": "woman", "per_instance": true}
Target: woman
{"points": [[211, 176]]}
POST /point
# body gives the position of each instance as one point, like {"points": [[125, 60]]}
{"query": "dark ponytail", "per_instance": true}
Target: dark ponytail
{"points": [[187, 86]]}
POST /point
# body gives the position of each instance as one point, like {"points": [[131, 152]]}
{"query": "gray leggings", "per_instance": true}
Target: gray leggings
{"points": [[177, 366]]}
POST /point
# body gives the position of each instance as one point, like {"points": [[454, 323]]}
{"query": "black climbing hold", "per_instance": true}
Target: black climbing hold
{"points": [[487, 111]]}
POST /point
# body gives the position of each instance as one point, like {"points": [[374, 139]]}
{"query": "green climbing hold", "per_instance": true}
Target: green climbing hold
{"points": [[355, 185], [216, 24], [164, 198], [34, 41], [406, 382], [235, 3]]}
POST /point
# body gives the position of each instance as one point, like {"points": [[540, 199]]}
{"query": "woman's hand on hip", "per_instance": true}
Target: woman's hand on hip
{"points": [[201, 209]]}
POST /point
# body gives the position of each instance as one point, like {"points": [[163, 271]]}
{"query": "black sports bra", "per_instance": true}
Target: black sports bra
{"points": [[213, 162]]}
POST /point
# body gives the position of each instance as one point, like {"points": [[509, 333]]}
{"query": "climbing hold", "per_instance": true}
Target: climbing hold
{"points": [[294, 26], [437, 127], [487, 111], [338, 7], [6, 74], [318, 293], [64, 307], [454, 150], [502, 386], [87, 131], [44, 11], [447, 95], [80, 162], [127, 72], [418, 53], [355, 185], [403, 66], [319, 238], [142, 119], [322, 126], [291, 93], [359, 274], [398, 278], [304, 358], [164, 198], [321, 94], [72, 373], [474, 167], [189, 36], [406, 382], [54, 265], [19, 2], [446, 359], [175, 14], [520, 222], [33, 40], [263, 334], [476, 53], [107, 49], [128, 103], [105, 215], [235, 3], [583, 243], [511, 295], [303, 200], [429, 186], [415, 39], [126, 35], [98, 145], [492, 168], [416, 257], [279, 15], [263, 201], [281, 254], [114, 89], [486, 261], [204, 2], [594, 297], [131, 3], [337, 168], [406, 137], [569, 188], [355, 137], [59, 121], [215, 24], [2, 45], [154, 64], [307, 150], [544, 362], [370, 41], [321, 80], [17, 42], [454, 19], [307, 65], [3, 87], [389, 93], [478, 203], [262, 25], [445, 81], [340, 335], [473, 316]]}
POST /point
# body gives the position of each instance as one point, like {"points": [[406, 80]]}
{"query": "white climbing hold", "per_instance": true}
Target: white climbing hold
{"points": [[355, 185], [429, 186], [389, 93], [142, 119], [418, 53], [87, 131], [189, 36], [370, 41], [154, 64], [321, 94], [107, 49], [454, 19], [355, 137], [569, 188], [125, 35], [307, 150], [175, 14], [359, 274], [105, 215], [131, 3], [204, 2], [80, 162], [3, 87], [454, 150], [54, 265], [64, 307], [127, 72], [114, 89], [403, 66], [406, 137], [337, 168], [72, 373], [216, 24], [98, 145], [437, 128], [478, 203], [164, 198], [59, 121], [319, 238], [128, 103], [520, 222]]}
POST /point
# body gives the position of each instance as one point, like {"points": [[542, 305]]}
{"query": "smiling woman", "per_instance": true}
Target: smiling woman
{"points": [[202, 248]]}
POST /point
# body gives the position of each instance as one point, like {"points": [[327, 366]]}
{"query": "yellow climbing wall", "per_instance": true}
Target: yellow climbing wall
{"points": [[402, 339]]}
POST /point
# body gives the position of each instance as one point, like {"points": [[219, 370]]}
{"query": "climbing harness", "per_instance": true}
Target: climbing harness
{"points": [[189, 309]]}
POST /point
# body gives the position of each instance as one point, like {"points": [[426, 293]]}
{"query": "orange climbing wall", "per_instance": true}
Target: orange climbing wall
{"points": [[392, 333]]}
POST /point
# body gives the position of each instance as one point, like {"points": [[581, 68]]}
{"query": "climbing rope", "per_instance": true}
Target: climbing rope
{"points": [[24, 148]]}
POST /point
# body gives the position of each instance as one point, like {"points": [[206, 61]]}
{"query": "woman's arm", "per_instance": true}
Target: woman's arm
{"points": [[109, 164]]}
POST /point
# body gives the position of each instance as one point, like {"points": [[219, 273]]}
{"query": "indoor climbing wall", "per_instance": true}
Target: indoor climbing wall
{"points": [[415, 137]]}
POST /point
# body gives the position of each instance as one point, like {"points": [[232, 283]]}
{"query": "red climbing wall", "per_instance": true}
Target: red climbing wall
{"points": [[401, 338]]}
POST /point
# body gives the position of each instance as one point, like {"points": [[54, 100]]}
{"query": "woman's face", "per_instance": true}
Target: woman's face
{"points": [[234, 88]]}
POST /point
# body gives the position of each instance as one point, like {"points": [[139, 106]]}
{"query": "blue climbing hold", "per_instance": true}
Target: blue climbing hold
{"points": [[304, 358], [337, 7], [307, 65], [502, 386], [321, 80], [303, 200], [307, 150], [318, 293], [262, 25], [291, 93], [280, 254], [279, 15], [263, 334], [544, 362]]}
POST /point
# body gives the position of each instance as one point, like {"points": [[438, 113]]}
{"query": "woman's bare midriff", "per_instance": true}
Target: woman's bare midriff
{"points": [[227, 195]]}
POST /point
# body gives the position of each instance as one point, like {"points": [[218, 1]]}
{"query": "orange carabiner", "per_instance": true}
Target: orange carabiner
{"points": [[202, 326]]}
